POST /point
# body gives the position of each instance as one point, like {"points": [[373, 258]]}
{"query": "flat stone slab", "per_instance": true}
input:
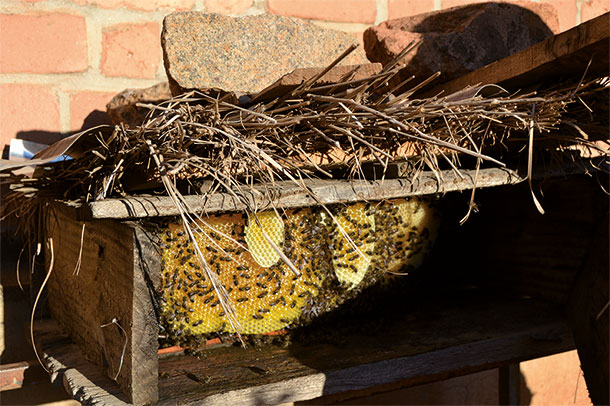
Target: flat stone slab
{"points": [[245, 54]]}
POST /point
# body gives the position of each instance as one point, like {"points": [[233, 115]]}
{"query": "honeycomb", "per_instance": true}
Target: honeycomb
{"points": [[265, 298], [273, 226], [351, 260], [264, 291], [406, 230]]}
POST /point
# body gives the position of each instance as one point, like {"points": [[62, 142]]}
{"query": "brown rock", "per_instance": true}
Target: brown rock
{"points": [[245, 54], [460, 39], [122, 108]]}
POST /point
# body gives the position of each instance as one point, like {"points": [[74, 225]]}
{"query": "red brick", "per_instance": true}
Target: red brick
{"points": [[351, 11], [593, 8], [131, 50], [27, 108], [228, 6], [405, 8], [48, 43], [144, 5], [566, 12], [90, 106]]}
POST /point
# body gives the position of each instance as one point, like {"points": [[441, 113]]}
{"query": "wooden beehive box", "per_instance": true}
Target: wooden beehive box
{"points": [[120, 268], [106, 268]]}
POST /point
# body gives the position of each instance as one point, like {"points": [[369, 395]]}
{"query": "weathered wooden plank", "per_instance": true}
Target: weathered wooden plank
{"points": [[105, 303], [65, 361], [434, 342], [567, 53], [445, 338], [403, 372], [291, 195]]}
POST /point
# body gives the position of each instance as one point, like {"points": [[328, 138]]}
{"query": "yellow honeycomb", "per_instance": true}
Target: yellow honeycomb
{"points": [[265, 298], [263, 252], [351, 260], [263, 290], [406, 230]]}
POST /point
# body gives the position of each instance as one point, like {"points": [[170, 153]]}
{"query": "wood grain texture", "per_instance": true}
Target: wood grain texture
{"points": [[291, 195], [67, 365], [565, 54], [109, 285], [433, 342], [465, 333], [288, 195]]}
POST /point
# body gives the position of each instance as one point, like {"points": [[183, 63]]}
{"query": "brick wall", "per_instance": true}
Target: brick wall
{"points": [[60, 60]]}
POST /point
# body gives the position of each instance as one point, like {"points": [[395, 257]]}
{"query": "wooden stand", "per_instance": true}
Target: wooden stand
{"points": [[106, 307], [465, 333]]}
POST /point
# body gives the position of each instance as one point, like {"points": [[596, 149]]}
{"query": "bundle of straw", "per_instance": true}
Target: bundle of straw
{"points": [[210, 138]]}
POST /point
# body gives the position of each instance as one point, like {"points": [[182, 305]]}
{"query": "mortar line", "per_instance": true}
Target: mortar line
{"points": [[382, 11], [64, 110]]}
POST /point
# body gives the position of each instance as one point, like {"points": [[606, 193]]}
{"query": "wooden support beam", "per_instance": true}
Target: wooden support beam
{"points": [[287, 194], [509, 384]]}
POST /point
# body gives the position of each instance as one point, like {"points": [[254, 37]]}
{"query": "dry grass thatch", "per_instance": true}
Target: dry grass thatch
{"points": [[207, 141]]}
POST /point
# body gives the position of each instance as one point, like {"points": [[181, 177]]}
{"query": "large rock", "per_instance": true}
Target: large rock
{"points": [[122, 108], [245, 54], [460, 39]]}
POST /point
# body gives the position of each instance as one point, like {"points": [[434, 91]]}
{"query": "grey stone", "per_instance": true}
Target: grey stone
{"points": [[460, 39], [245, 54]]}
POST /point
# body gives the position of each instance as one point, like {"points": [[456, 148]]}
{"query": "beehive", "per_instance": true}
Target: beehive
{"points": [[337, 251]]}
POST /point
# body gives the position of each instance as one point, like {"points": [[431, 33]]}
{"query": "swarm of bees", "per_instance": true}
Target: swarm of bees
{"points": [[338, 251]]}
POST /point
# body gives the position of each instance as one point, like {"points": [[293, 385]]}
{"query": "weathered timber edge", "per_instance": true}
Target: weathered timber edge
{"points": [[100, 294], [291, 195]]}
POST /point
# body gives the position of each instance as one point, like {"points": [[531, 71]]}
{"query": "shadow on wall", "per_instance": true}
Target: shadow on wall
{"points": [[96, 117]]}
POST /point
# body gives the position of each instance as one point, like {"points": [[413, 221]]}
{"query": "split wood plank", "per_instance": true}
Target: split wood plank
{"points": [[291, 195], [105, 304], [455, 336], [287, 194], [564, 54]]}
